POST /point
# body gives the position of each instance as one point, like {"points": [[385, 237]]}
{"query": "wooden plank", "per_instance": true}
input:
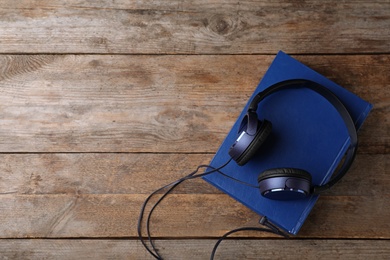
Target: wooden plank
{"points": [[204, 27], [29, 174], [85, 138], [87, 195], [99, 103], [98, 173], [179, 215], [197, 249]]}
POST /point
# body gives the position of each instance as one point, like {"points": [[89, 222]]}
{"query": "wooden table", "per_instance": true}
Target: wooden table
{"points": [[103, 102]]}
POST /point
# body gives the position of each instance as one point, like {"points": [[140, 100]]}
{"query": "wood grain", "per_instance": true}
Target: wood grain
{"points": [[178, 216], [196, 248], [102, 102], [100, 195], [86, 173], [175, 104], [185, 27]]}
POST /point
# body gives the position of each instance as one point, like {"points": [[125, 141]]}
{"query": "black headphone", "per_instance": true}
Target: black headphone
{"points": [[288, 183]]}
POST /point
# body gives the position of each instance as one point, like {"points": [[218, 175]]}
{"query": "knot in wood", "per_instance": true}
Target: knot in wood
{"points": [[221, 24]]}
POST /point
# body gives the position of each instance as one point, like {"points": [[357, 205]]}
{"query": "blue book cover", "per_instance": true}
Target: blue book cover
{"points": [[307, 133]]}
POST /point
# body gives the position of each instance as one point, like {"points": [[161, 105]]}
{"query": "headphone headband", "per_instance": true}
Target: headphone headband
{"points": [[338, 105]]}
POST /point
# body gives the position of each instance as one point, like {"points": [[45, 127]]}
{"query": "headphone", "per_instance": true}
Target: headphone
{"points": [[288, 183]]}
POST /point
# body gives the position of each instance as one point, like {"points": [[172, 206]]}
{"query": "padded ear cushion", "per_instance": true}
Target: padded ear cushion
{"points": [[261, 136], [284, 172]]}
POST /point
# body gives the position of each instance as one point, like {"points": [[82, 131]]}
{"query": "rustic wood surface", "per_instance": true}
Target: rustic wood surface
{"points": [[102, 102], [203, 27]]}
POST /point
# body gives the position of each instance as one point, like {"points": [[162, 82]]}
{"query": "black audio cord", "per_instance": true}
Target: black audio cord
{"points": [[188, 177], [192, 175], [243, 229], [153, 251]]}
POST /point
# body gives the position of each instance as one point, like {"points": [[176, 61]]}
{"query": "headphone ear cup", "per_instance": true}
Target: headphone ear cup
{"points": [[284, 183], [284, 172], [261, 135]]}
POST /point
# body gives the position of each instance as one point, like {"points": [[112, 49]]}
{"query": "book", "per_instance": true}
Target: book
{"points": [[307, 133]]}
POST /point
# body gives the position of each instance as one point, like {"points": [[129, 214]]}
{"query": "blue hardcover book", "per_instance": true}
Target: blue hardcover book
{"points": [[307, 133]]}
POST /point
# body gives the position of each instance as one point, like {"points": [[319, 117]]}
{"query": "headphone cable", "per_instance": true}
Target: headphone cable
{"points": [[192, 175], [153, 250], [271, 229]]}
